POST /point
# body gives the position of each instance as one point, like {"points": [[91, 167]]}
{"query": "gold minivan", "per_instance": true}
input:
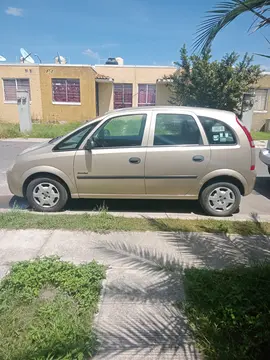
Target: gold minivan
{"points": [[142, 153]]}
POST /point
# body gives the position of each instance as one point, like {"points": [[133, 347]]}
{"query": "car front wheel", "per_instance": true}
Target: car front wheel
{"points": [[46, 195], [220, 199]]}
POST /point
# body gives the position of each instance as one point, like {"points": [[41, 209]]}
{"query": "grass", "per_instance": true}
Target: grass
{"points": [[47, 308], [106, 222], [260, 135], [229, 311], [42, 130]]}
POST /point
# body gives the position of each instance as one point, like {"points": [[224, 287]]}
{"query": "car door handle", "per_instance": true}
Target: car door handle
{"points": [[198, 158], [134, 160]]}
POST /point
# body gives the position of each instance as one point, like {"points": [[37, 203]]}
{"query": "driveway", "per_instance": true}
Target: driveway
{"points": [[257, 202]]}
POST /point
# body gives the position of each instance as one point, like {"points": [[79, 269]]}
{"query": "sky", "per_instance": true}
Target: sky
{"points": [[142, 32]]}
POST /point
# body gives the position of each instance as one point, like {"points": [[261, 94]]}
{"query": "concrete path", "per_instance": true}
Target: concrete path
{"points": [[137, 317]]}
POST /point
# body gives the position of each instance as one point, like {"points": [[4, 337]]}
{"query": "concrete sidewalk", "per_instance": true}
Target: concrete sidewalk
{"points": [[137, 317]]}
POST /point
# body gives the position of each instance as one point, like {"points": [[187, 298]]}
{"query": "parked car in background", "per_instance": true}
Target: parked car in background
{"points": [[142, 153], [265, 156]]}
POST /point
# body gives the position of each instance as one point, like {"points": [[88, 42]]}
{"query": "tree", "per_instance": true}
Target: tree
{"points": [[199, 81], [224, 13]]}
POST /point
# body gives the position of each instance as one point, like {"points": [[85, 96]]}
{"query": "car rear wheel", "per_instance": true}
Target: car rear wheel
{"points": [[46, 195], [220, 199]]}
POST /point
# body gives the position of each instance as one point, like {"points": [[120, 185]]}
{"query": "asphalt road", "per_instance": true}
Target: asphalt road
{"points": [[257, 202]]}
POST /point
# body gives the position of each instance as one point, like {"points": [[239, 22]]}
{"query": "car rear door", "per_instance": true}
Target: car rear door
{"points": [[177, 156], [115, 166]]}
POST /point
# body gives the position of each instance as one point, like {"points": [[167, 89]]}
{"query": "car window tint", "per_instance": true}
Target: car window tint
{"points": [[75, 140], [217, 132], [176, 129], [121, 131]]}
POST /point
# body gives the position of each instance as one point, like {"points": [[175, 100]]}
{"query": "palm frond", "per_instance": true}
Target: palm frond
{"points": [[252, 27], [266, 39], [266, 56], [222, 15]]}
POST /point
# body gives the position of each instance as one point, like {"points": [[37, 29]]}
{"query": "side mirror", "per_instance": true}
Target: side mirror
{"points": [[90, 144]]}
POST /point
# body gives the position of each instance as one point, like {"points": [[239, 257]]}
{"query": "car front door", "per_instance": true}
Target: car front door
{"points": [[177, 156], [114, 167]]}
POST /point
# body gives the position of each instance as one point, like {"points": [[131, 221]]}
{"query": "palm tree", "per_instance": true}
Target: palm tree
{"points": [[224, 13]]}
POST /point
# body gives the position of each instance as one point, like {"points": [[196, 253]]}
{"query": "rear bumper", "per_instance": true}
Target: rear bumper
{"points": [[250, 183], [265, 156], [14, 184]]}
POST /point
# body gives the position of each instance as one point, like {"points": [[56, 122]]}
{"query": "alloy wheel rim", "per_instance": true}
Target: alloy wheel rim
{"points": [[46, 195], [221, 199]]}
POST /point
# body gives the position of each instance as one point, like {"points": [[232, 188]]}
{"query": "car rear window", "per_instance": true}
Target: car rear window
{"points": [[217, 132]]}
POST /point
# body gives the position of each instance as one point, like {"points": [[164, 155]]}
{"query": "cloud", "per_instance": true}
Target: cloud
{"points": [[14, 11], [90, 53], [107, 46]]}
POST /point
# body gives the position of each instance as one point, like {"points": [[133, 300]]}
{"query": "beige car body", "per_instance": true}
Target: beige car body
{"points": [[165, 172]]}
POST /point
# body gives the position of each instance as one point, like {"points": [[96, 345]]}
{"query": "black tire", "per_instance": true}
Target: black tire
{"points": [[58, 188], [269, 169], [210, 189]]}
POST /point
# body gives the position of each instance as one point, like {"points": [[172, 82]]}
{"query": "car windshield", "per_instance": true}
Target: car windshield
{"points": [[93, 122], [54, 139]]}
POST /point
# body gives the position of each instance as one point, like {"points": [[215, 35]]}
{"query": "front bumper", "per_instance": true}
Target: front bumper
{"points": [[265, 156], [14, 183]]}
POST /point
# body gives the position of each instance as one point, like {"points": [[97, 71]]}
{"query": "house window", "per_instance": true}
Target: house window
{"points": [[260, 101], [12, 85], [122, 96], [147, 95], [66, 91]]}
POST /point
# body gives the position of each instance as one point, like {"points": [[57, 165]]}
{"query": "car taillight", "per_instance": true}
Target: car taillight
{"points": [[250, 140], [248, 135]]}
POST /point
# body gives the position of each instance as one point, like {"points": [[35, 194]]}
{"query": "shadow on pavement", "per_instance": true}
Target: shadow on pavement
{"points": [[153, 206], [170, 206], [222, 250], [18, 203], [161, 331], [262, 187], [149, 325]]}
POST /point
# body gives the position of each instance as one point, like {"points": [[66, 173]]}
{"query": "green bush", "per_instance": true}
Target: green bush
{"points": [[47, 308], [229, 311]]}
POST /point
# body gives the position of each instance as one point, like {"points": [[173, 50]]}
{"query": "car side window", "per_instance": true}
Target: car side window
{"points": [[217, 132], [176, 129], [74, 140], [121, 131]]}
